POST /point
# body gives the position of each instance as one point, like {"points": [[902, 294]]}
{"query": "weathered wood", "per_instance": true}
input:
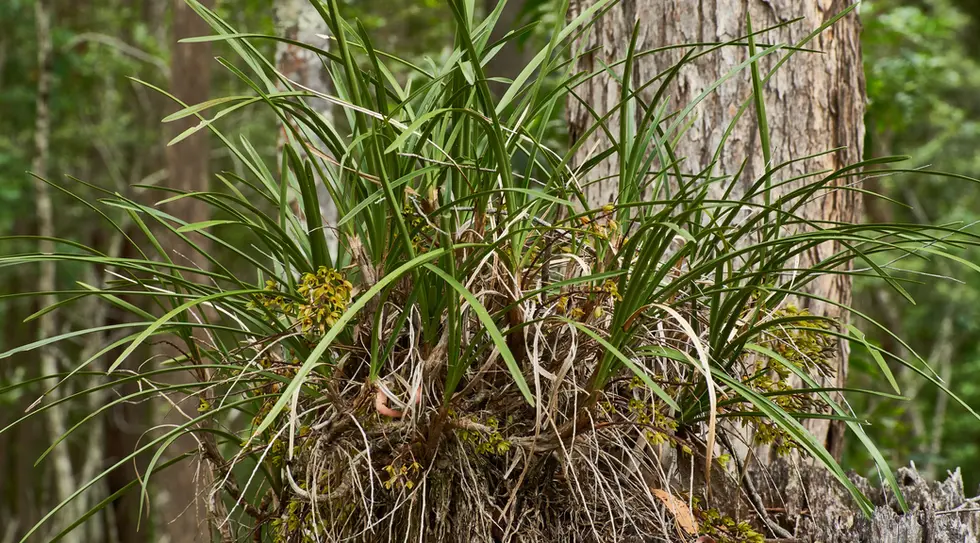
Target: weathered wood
{"points": [[939, 512]]}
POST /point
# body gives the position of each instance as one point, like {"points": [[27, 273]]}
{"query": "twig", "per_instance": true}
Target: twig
{"points": [[952, 511]]}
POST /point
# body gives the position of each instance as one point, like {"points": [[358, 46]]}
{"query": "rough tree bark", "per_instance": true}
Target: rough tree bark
{"points": [[299, 20], [815, 102]]}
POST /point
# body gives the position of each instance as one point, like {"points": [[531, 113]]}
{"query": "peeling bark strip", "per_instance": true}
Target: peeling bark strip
{"points": [[815, 102]]}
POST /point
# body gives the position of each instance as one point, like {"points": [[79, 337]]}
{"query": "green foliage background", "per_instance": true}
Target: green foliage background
{"points": [[922, 74]]}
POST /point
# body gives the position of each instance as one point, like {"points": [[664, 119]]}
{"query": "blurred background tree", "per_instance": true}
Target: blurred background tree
{"points": [[922, 73]]}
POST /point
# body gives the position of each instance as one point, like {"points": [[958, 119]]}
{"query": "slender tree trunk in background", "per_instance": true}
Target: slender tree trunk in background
{"points": [[125, 424], [940, 357], [64, 476], [509, 61], [17, 493], [187, 484], [815, 102], [190, 81], [298, 20]]}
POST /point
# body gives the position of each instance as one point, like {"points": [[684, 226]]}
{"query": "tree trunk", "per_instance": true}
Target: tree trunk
{"points": [[509, 61], [63, 476], [190, 81], [187, 485], [815, 102], [299, 20]]}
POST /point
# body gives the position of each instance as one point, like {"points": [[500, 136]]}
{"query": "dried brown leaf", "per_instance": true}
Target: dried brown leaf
{"points": [[678, 507]]}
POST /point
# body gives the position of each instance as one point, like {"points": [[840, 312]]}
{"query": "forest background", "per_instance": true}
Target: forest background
{"points": [[922, 64]]}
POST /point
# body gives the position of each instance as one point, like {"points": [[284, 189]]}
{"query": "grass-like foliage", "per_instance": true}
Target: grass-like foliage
{"points": [[478, 353]]}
